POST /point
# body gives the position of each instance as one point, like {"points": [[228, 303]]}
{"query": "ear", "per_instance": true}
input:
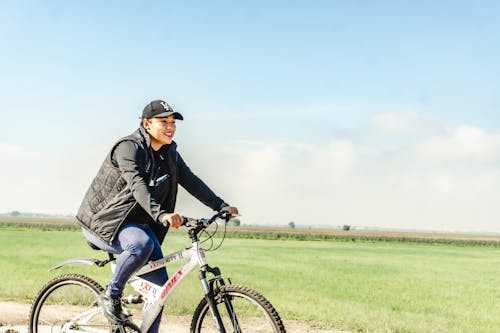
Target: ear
{"points": [[146, 123]]}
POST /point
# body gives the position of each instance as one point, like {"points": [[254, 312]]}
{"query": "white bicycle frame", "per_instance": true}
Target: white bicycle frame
{"points": [[155, 296]]}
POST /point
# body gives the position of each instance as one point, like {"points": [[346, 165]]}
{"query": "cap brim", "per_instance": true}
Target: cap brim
{"points": [[176, 115]]}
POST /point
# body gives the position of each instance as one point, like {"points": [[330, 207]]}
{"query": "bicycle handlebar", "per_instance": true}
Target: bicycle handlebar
{"points": [[204, 222]]}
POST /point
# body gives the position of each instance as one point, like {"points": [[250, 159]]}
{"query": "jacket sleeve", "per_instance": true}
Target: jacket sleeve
{"points": [[132, 161], [196, 187]]}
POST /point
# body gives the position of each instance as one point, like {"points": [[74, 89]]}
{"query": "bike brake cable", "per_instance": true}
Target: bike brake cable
{"points": [[223, 238], [211, 236]]}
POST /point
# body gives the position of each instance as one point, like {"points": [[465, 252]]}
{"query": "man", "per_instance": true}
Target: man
{"points": [[130, 204]]}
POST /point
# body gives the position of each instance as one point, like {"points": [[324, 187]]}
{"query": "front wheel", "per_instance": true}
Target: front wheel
{"points": [[241, 310]]}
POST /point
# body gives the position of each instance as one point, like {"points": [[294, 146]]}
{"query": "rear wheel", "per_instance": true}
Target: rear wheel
{"points": [[69, 303], [241, 309]]}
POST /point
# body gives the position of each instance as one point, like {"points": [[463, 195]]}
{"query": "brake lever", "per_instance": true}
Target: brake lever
{"points": [[226, 216], [189, 222]]}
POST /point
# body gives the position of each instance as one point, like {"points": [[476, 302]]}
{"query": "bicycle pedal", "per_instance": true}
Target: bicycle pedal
{"points": [[132, 299]]}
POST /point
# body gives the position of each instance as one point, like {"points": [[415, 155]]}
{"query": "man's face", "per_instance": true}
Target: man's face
{"points": [[161, 130]]}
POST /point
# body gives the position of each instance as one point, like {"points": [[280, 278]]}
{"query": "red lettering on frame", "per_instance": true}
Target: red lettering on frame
{"points": [[171, 283], [145, 287]]}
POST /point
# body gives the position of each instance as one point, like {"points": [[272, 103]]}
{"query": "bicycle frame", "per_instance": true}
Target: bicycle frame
{"points": [[155, 296]]}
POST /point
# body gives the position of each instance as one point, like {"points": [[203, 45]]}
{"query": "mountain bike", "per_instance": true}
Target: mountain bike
{"points": [[68, 303]]}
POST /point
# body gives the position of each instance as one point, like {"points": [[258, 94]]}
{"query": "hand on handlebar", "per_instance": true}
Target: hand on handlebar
{"points": [[225, 213], [232, 210], [173, 219]]}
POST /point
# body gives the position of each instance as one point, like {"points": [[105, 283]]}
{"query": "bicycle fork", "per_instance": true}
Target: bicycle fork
{"points": [[210, 296]]}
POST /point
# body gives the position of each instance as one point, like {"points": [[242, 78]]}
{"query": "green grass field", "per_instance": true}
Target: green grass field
{"points": [[359, 286]]}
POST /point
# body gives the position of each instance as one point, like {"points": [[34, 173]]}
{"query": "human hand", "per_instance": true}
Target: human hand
{"points": [[173, 219], [231, 209]]}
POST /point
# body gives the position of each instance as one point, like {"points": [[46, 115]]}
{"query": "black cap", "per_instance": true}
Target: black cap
{"points": [[159, 108]]}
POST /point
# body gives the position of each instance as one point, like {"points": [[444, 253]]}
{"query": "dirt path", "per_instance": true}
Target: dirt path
{"points": [[14, 319]]}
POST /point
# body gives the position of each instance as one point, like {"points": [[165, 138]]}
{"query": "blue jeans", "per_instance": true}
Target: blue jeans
{"points": [[136, 244]]}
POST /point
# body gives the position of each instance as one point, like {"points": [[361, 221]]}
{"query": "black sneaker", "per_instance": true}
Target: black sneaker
{"points": [[112, 306]]}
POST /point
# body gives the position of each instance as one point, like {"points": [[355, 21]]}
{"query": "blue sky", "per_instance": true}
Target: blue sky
{"points": [[370, 113]]}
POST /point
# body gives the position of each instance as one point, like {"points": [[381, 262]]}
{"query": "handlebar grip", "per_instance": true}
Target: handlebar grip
{"points": [[225, 215], [190, 222]]}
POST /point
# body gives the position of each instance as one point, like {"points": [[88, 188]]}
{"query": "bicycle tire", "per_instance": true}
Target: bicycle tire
{"points": [[254, 313], [68, 302]]}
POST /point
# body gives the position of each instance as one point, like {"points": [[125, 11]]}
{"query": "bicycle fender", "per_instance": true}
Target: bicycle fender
{"points": [[78, 261]]}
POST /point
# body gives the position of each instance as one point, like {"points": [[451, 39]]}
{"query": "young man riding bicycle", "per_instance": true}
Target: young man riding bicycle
{"points": [[130, 204]]}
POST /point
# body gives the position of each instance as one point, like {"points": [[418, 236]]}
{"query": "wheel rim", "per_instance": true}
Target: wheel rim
{"points": [[67, 307], [250, 316]]}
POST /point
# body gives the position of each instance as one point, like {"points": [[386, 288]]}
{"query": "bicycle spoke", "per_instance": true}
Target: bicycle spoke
{"points": [[241, 310], [67, 304]]}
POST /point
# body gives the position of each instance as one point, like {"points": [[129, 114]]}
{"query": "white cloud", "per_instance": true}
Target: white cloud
{"points": [[39, 180], [462, 143], [9, 151], [333, 162], [276, 183], [401, 123]]}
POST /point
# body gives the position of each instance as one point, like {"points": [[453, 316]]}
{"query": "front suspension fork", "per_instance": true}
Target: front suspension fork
{"points": [[210, 292]]}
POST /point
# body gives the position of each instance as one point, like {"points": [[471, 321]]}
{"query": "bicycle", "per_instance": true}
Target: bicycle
{"points": [[68, 302]]}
